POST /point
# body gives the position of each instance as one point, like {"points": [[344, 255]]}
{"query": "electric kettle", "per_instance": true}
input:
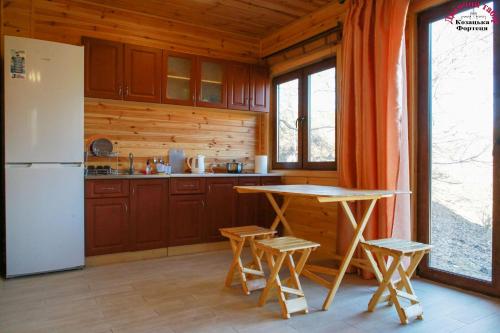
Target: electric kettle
{"points": [[196, 164]]}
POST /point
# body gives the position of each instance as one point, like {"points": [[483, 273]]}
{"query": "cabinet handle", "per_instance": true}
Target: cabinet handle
{"points": [[133, 190], [126, 207], [203, 203], [209, 188], [120, 91], [126, 90]]}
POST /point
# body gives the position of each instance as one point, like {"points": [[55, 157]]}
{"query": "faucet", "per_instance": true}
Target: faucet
{"points": [[131, 163]]}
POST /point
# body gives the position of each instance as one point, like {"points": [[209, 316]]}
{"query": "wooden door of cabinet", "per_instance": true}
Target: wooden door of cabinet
{"points": [[238, 86], [142, 74], [179, 71], [248, 203], [103, 68], [186, 220], [148, 214], [106, 226], [211, 83], [221, 207], [259, 89]]}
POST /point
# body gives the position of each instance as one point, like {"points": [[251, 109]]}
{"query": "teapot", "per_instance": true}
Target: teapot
{"points": [[196, 164]]}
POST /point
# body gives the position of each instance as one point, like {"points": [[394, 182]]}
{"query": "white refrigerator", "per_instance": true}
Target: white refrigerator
{"points": [[44, 175]]}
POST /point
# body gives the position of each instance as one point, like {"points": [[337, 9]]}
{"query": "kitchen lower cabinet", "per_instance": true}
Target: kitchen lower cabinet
{"points": [[106, 226], [148, 214], [186, 219], [248, 203], [221, 207]]}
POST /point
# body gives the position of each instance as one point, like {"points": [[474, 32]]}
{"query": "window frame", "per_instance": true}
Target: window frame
{"points": [[303, 129]]}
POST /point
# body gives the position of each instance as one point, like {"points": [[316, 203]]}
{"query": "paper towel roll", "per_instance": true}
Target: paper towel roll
{"points": [[261, 164]]}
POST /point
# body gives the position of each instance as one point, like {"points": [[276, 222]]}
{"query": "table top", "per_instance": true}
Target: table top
{"points": [[322, 193]]}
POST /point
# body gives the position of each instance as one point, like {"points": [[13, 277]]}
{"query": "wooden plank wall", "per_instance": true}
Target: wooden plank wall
{"points": [[148, 130], [68, 20]]}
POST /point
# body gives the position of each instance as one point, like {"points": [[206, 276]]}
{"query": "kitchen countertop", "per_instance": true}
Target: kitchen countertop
{"points": [[182, 175]]}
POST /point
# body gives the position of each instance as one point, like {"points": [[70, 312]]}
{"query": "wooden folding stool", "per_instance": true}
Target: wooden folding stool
{"points": [[397, 249], [251, 275], [278, 250]]}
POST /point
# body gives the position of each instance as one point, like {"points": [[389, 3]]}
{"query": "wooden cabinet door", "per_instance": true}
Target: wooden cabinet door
{"points": [[142, 74], [248, 203], [103, 69], [179, 78], [221, 206], [106, 226], [211, 83], [259, 89], [186, 219], [148, 213], [238, 86], [267, 213]]}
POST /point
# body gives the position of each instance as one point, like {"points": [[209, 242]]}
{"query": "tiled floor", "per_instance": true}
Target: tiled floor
{"points": [[186, 294]]}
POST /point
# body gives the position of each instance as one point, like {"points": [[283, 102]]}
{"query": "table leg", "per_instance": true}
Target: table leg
{"points": [[358, 235], [280, 213]]}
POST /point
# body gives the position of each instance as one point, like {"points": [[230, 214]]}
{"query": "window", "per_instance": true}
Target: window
{"points": [[304, 118]]}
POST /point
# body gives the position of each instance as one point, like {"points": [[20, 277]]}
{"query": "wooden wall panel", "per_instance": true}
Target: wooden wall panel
{"points": [[148, 130], [68, 20]]}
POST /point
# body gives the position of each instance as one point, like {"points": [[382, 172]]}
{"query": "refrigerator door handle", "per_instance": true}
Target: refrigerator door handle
{"points": [[19, 165], [71, 164]]}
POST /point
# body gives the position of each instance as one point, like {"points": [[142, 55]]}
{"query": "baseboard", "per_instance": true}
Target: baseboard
{"points": [[197, 248], [115, 258]]}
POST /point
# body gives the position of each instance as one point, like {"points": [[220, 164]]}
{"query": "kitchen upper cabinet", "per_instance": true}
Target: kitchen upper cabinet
{"points": [[103, 68], [238, 86], [259, 89], [221, 206], [106, 226], [186, 219], [179, 78], [148, 213], [142, 74], [211, 85], [248, 203]]}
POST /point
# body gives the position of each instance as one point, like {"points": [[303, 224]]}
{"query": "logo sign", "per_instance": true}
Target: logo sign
{"points": [[479, 18]]}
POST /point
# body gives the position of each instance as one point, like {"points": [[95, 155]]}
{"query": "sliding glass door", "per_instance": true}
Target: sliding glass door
{"points": [[458, 153]]}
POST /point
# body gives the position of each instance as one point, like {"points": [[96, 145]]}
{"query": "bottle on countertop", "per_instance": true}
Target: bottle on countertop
{"points": [[148, 168]]}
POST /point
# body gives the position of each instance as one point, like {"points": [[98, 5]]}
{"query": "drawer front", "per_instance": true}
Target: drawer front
{"points": [[270, 180], [187, 185], [108, 188]]}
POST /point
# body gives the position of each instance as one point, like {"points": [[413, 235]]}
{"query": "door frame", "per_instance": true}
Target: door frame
{"points": [[423, 158]]}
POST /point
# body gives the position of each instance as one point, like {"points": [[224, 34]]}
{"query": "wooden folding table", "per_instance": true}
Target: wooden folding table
{"points": [[325, 194]]}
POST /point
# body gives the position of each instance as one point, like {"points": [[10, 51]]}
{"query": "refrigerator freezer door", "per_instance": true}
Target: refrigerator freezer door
{"points": [[44, 218], [44, 110]]}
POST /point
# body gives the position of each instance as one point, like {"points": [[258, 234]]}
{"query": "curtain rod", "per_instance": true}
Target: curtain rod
{"points": [[337, 28]]}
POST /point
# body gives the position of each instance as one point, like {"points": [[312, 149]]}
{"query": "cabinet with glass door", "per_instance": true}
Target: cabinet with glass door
{"points": [[179, 78]]}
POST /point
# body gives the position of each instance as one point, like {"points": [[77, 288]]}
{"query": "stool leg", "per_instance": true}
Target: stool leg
{"points": [[275, 268], [386, 280], [255, 255], [294, 275], [237, 248], [230, 273]]}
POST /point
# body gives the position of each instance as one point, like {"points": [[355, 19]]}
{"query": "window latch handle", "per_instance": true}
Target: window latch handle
{"points": [[301, 119]]}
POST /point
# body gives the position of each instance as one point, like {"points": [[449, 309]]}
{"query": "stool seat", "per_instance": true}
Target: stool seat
{"points": [[278, 251], [251, 275], [246, 231], [395, 245], [285, 244], [397, 249]]}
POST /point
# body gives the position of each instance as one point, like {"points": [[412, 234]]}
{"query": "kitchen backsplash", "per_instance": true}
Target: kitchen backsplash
{"points": [[148, 130]]}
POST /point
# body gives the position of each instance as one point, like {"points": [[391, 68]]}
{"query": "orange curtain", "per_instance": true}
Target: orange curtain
{"points": [[372, 145]]}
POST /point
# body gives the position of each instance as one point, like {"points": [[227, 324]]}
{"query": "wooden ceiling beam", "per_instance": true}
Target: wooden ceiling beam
{"points": [[323, 19]]}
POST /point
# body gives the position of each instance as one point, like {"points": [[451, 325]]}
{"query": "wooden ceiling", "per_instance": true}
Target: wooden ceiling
{"points": [[250, 18]]}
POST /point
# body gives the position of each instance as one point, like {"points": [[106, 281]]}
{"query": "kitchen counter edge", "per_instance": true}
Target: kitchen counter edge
{"points": [[183, 175]]}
